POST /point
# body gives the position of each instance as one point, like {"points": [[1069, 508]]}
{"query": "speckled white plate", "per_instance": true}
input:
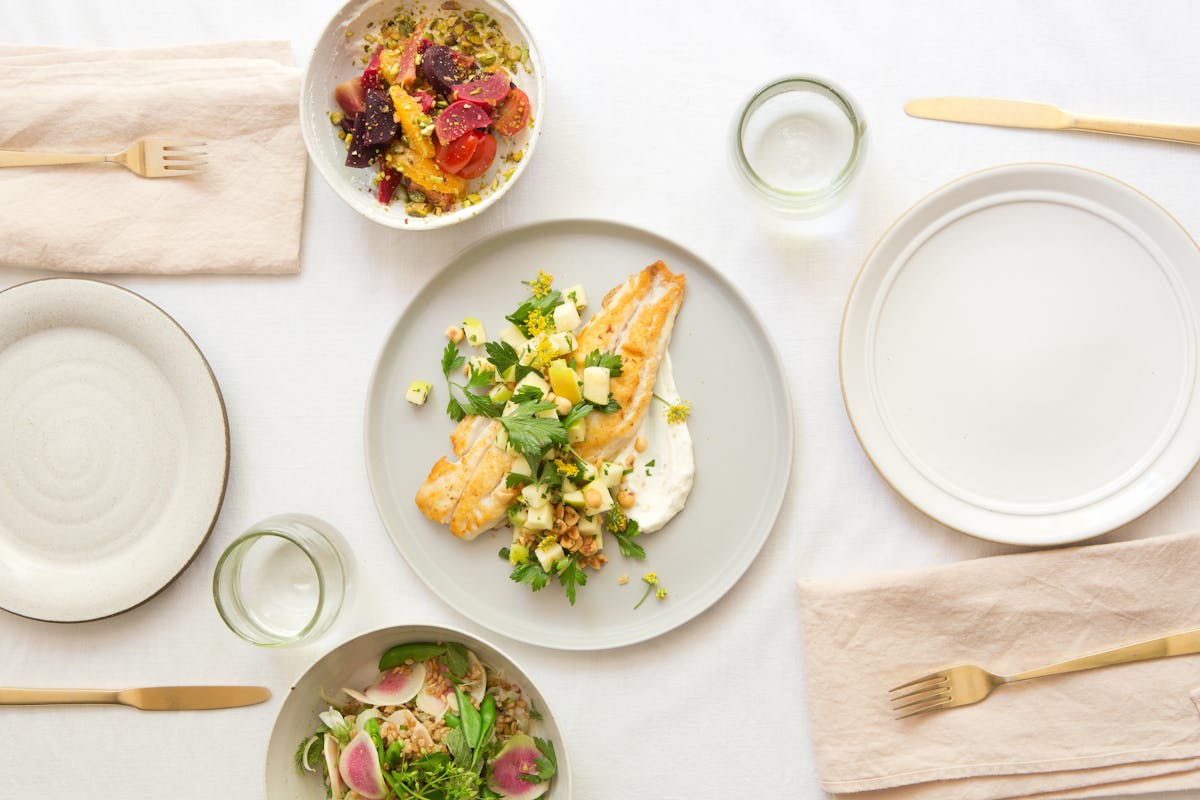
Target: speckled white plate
{"points": [[114, 449], [723, 361]]}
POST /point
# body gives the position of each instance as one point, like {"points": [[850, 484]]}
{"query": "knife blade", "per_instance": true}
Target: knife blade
{"points": [[1043, 116], [154, 698]]}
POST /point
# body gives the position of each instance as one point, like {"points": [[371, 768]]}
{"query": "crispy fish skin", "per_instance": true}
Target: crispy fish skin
{"points": [[635, 322], [469, 493]]}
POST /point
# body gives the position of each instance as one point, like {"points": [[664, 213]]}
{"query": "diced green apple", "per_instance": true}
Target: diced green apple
{"points": [[418, 392], [536, 496], [566, 317], [601, 488], [577, 295], [535, 380], [473, 331], [540, 519], [574, 499], [520, 466], [518, 554], [513, 336], [500, 393], [577, 432], [596, 382], [590, 526], [517, 514], [549, 552], [611, 473]]}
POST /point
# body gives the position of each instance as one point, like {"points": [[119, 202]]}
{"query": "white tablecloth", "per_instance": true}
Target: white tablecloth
{"points": [[637, 127]]}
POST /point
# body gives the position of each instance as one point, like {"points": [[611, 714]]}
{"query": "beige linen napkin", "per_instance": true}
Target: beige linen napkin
{"points": [[1131, 728], [242, 215]]}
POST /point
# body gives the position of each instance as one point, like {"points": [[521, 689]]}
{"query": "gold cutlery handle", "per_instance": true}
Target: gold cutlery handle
{"points": [[1177, 644], [21, 158], [36, 697], [1167, 131]]}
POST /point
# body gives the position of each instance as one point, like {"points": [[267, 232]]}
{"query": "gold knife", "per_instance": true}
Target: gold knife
{"points": [[157, 698], [1019, 114]]}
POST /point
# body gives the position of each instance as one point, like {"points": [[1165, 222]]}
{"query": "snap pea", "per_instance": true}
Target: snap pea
{"points": [[416, 651]]}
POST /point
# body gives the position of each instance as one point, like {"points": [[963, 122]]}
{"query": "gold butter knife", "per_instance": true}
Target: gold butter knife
{"points": [[156, 698], [1019, 114]]}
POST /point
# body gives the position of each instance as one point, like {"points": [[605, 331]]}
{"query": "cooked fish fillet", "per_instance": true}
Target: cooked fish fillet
{"points": [[469, 493], [635, 321]]}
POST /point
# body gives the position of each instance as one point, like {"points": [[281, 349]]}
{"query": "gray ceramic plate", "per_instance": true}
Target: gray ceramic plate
{"points": [[355, 664], [741, 425]]}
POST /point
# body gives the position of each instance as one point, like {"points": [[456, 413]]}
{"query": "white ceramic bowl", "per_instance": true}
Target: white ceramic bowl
{"points": [[337, 58], [355, 664]]}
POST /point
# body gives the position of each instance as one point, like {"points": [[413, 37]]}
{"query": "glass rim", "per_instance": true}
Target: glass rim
{"points": [[248, 538], [845, 104]]}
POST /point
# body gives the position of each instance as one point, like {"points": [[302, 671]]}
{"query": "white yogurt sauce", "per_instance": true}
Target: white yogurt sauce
{"points": [[662, 494]]}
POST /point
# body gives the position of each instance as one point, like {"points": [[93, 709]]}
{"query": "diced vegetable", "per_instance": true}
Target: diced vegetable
{"points": [[500, 393], [566, 317], [518, 554], [536, 380], [513, 336], [564, 381], [611, 473], [418, 392], [596, 382], [576, 295], [590, 526], [541, 518], [388, 181], [577, 433], [443, 67], [351, 96], [535, 496], [549, 552], [573, 499], [473, 329], [600, 489]]}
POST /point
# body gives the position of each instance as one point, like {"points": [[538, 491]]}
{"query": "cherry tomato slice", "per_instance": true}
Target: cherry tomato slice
{"points": [[513, 113], [485, 153], [454, 156]]}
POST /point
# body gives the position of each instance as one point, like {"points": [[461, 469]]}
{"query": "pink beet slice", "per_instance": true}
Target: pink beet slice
{"points": [[351, 96], [399, 684], [515, 759], [406, 72], [489, 90], [458, 118], [359, 766], [425, 99]]}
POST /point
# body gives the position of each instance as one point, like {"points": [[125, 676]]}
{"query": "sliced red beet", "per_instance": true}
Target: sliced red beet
{"points": [[359, 154], [370, 78], [454, 156], [351, 96], [443, 67], [425, 99], [481, 159], [388, 182], [489, 90], [513, 113], [458, 118], [379, 120]]}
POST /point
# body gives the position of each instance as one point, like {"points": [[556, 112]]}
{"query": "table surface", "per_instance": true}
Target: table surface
{"points": [[640, 103]]}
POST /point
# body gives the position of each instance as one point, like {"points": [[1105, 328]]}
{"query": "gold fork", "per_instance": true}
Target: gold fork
{"points": [[966, 684], [150, 158]]}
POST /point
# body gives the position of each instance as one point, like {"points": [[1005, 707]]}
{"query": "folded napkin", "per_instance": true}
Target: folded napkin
{"points": [[1126, 729], [242, 215]]}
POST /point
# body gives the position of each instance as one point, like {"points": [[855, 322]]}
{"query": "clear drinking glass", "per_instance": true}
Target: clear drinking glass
{"points": [[799, 143], [283, 581]]}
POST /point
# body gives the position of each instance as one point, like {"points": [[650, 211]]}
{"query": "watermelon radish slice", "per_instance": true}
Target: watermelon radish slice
{"points": [[359, 766], [435, 701], [489, 90], [516, 758], [357, 695], [458, 118], [397, 686], [418, 733], [336, 786]]}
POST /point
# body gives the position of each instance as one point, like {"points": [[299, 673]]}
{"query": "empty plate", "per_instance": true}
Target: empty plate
{"points": [[1019, 355], [113, 449]]}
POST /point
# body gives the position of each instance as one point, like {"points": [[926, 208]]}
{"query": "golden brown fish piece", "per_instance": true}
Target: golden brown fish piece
{"points": [[635, 322], [470, 493]]}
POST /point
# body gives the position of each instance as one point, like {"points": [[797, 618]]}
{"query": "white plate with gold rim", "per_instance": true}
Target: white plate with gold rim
{"points": [[114, 449], [723, 361], [1019, 354]]}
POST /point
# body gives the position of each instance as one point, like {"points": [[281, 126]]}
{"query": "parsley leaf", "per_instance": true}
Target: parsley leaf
{"points": [[578, 412], [649, 464], [504, 356], [451, 360], [547, 763], [612, 407], [611, 361], [527, 394], [530, 572], [571, 577], [530, 435], [625, 530]]}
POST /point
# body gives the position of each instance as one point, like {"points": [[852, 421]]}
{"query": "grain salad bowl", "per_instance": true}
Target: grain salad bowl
{"points": [[340, 55], [355, 664]]}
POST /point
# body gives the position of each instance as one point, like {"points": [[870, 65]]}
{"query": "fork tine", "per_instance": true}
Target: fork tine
{"points": [[184, 155], [932, 707], [180, 145], [931, 676], [940, 686], [943, 695]]}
